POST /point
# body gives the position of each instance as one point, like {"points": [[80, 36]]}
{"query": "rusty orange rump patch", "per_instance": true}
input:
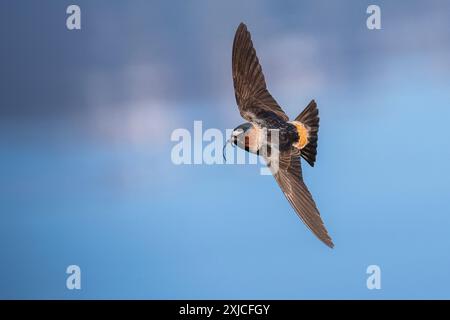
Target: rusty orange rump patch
{"points": [[303, 135]]}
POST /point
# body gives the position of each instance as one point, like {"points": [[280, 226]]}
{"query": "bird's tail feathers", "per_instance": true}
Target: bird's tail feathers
{"points": [[310, 118]]}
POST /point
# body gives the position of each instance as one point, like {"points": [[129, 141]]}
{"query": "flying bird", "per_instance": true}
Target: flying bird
{"points": [[269, 132]]}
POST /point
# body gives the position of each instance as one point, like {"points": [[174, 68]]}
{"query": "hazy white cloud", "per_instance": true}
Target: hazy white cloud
{"points": [[130, 105], [291, 64], [425, 34], [136, 122]]}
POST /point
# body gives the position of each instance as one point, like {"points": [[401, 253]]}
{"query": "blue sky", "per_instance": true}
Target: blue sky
{"points": [[87, 179]]}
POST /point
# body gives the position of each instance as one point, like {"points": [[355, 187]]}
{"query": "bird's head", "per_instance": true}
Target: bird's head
{"points": [[241, 137], [240, 133]]}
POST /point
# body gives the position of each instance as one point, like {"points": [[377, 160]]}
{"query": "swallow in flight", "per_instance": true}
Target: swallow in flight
{"points": [[296, 139]]}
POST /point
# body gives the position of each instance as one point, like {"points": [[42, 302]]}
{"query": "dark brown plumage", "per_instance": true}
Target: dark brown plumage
{"points": [[254, 100], [257, 106]]}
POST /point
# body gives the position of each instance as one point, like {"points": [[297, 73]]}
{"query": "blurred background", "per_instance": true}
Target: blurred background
{"points": [[86, 176]]}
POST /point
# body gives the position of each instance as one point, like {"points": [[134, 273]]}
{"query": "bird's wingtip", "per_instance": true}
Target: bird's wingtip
{"points": [[330, 244], [242, 25]]}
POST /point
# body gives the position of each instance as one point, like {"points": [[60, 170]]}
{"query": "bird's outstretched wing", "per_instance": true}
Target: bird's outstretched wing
{"points": [[288, 174], [254, 100]]}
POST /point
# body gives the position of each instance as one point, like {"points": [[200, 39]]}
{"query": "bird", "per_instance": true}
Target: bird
{"points": [[267, 123]]}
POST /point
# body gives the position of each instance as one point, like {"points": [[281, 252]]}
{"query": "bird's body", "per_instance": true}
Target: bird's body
{"points": [[291, 134], [270, 134]]}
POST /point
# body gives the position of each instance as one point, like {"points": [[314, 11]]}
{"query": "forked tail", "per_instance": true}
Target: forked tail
{"points": [[310, 119]]}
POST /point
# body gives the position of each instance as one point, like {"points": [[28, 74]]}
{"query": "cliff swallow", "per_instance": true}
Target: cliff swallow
{"points": [[296, 139]]}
